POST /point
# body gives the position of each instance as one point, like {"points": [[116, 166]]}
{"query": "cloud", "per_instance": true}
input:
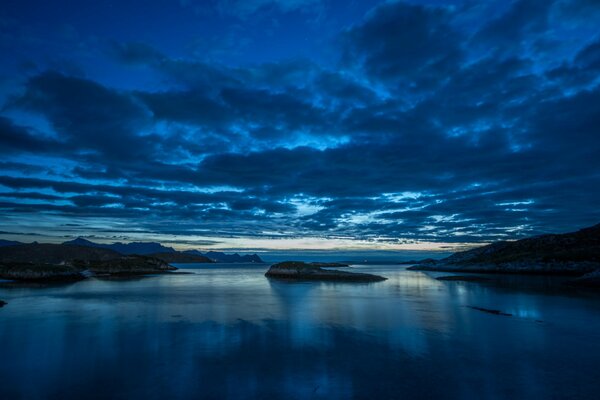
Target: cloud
{"points": [[245, 8], [402, 43], [423, 131], [87, 114], [15, 138]]}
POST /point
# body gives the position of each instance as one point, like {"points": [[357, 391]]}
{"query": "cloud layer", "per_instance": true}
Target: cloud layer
{"points": [[442, 122]]}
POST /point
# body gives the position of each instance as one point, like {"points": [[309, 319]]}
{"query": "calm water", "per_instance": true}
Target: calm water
{"points": [[228, 332]]}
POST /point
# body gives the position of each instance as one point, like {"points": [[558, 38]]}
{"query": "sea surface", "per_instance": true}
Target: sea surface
{"points": [[227, 332]]}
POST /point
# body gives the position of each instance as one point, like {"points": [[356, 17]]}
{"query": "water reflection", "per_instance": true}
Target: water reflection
{"points": [[231, 333]]}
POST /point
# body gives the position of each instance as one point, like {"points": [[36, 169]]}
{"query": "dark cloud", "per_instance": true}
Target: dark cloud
{"points": [[135, 53], [523, 21], [410, 44], [426, 129], [18, 138], [86, 114]]}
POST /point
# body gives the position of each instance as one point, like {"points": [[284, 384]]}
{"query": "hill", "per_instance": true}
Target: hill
{"points": [[572, 253], [125, 248], [38, 261], [182, 258], [153, 248]]}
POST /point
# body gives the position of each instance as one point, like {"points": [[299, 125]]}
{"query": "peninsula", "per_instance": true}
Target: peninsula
{"points": [[575, 254]]}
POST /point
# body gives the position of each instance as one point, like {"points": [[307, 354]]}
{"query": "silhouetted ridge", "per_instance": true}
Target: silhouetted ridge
{"points": [[569, 253]]}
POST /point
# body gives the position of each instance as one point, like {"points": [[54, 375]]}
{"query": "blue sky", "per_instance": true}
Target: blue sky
{"points": [[299, 123]]}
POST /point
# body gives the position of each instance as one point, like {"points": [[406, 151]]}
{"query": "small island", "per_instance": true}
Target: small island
{"points": [[297, 270]]}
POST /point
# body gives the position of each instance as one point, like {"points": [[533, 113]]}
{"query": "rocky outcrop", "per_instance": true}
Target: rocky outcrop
{"points": [[295, 270], [24, 271], [54, 262], [574, 253], [2, 303]]}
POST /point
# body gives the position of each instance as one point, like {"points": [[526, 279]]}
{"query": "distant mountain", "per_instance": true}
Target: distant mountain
{"points": [[569, 253], [218, 256], [8, 243], [152, 248], [141, 248], [180, 257]]}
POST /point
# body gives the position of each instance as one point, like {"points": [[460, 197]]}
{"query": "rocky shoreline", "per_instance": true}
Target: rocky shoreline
{"points": [[48, 262], [574, 254], [296, 270]]}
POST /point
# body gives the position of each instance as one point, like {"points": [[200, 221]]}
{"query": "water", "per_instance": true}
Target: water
{"points": [[228, 332]]}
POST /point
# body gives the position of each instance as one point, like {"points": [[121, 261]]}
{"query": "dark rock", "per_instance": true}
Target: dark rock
{"points": [[2, 303], [296, 270]]}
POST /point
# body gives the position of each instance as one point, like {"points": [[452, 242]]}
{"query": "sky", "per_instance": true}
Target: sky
{"points": [[299, 124]]}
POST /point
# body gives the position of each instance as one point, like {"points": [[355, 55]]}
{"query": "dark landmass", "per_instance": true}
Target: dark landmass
{"points": [[220, 257], [33, 271], [574, 254], [125, 265], [44, 253], [182, 258], [590, 280], [464, 278], [142, 248], [490, 311], [296, 270], [50, 262], [168, 254], [8, 242], [2, 303], [425, 261]]}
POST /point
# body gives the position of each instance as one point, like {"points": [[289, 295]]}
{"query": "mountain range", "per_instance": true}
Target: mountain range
{"points": [[157, 250]]}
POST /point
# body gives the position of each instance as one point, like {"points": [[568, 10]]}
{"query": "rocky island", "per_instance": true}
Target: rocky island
{"points": [[296, 270], [52, 262], [575, 254]]}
